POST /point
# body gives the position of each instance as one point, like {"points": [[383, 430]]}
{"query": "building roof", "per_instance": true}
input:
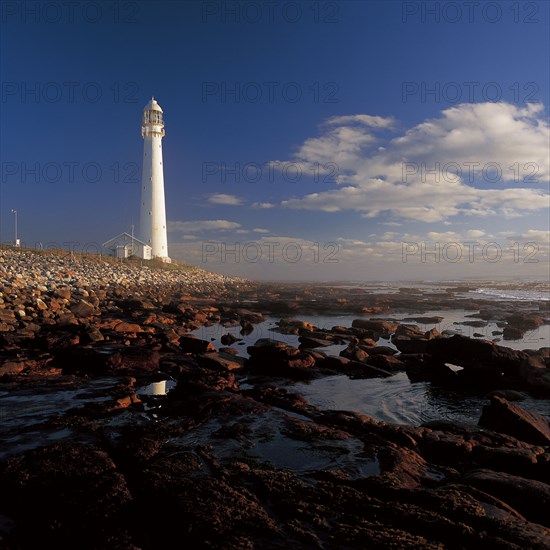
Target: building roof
{"points": [[152, 106], [126, 238]]}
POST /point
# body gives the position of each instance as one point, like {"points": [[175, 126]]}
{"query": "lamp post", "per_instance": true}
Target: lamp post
{"points": [[14, 212]]}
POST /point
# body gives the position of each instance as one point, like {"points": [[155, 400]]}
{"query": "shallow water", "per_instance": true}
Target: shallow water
{"points": [[395, 399], [266, 441], [452, 321], [400, 401], [25, 411]]}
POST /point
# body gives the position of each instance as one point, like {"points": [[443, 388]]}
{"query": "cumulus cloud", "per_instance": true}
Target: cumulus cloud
{"points": [[223, 198], [366, 120], [263, 205], [482, 159]]}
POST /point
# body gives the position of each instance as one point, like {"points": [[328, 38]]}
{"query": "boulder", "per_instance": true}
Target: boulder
{"points": [[411, 331], [64, 293], [82, 309], [354, 353], [189, 344], [386, 362], [525, 321], [376, 325], [406, 344], [294, 326], [127, 327], [220, 361], [268, 356], [476, 354], [12, 367], [512, 333], [529, 497], [509, 418], [382, 350], [228, 339], [307, 342]]}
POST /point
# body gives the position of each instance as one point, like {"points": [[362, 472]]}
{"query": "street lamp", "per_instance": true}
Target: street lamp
{"points": [[14, 212]]}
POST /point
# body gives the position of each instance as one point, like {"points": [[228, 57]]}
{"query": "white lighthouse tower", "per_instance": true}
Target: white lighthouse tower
{"points": [[152, 221]]}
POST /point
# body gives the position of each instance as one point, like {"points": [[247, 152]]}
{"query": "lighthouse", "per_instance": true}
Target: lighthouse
{"points": [[152, 222]]}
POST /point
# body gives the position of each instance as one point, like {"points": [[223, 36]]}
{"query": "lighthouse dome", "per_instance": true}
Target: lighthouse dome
{"points": [[152, 105]]}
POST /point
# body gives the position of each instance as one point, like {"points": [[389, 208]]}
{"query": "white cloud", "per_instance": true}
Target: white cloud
{"points": [[260, 230], [366, 120], [202, 225], [222, 198], [396, 179], [537, 234], [475, 233], [263, 205]]}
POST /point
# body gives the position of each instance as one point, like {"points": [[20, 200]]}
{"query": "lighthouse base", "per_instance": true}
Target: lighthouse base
{"points": [[164, 259]]}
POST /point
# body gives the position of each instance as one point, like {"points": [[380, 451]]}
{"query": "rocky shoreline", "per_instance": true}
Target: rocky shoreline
{"points": [[231, 457]]}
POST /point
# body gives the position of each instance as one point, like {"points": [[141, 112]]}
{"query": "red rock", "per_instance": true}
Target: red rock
{"points": [[63, 293], [12, 367], [386, 362], [221, 361], [126, 401], [509, 418], [135, 359], [294, 326], [354, 353], [228, 339], [368, 342], [376, 325], [412, 331], [529, 497], [406, 344], [307, 342], [127, 327], [190, 344]]}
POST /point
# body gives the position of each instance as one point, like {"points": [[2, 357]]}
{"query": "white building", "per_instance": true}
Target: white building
{"points": [[152, 223], [124, 246]]}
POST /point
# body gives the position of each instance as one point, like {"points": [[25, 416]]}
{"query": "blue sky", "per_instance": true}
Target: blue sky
{"points": [[365, 135]]}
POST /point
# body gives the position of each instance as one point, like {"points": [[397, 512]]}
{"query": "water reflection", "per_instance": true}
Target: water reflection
{"points": [[398, 400], [162, 387]]}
